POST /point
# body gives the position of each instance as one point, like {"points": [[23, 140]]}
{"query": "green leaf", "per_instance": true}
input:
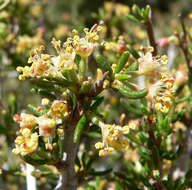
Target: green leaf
{"points": [[122, 76], [46, 85], [70, 75], [132, 94], [141, 110], [45, 93], [146, 12], [103, 64], [33, 109], [145, 155], [79, 128], [122, 61], [132, 18], [133, 52], [97, 102], [34, 159], [133, 67], [93, 134]]}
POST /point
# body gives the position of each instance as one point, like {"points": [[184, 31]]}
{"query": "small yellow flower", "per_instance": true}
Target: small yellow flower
{"points": [[26, 132], [19, 69], [99, 145], [59, 109]]}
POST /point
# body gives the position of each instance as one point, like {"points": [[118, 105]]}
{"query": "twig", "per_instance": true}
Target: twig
{"points": [[158, 183], [69, 176], [98, 86], [183, 162], [184, 45], [151, 35]]}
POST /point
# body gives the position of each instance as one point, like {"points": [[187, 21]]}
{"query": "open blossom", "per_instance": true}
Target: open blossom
{"points": [[148, 65], [46, 126], [59, 109], [161, 93], [64, 60], [27, 120], [112, 138], [85, 46]]}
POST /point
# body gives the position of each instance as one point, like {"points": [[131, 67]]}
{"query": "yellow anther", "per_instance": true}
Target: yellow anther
{"points": [[101, 153]]}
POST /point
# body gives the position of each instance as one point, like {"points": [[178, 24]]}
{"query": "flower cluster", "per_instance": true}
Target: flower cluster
{"points": [[118, 46], [117, 8], [26, 142], [45, 125], [161, 93], [43, 65], [85, 46], [160, 83], [113, 137]]}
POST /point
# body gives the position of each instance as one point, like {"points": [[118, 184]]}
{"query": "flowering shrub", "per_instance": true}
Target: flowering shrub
{"points": [[115, 111]]}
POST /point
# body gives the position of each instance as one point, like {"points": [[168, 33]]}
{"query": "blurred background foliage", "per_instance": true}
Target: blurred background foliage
{"points": [[25, 24]]}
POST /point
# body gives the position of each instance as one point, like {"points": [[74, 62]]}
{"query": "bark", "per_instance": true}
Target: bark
{"points": [[69, 177]]}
